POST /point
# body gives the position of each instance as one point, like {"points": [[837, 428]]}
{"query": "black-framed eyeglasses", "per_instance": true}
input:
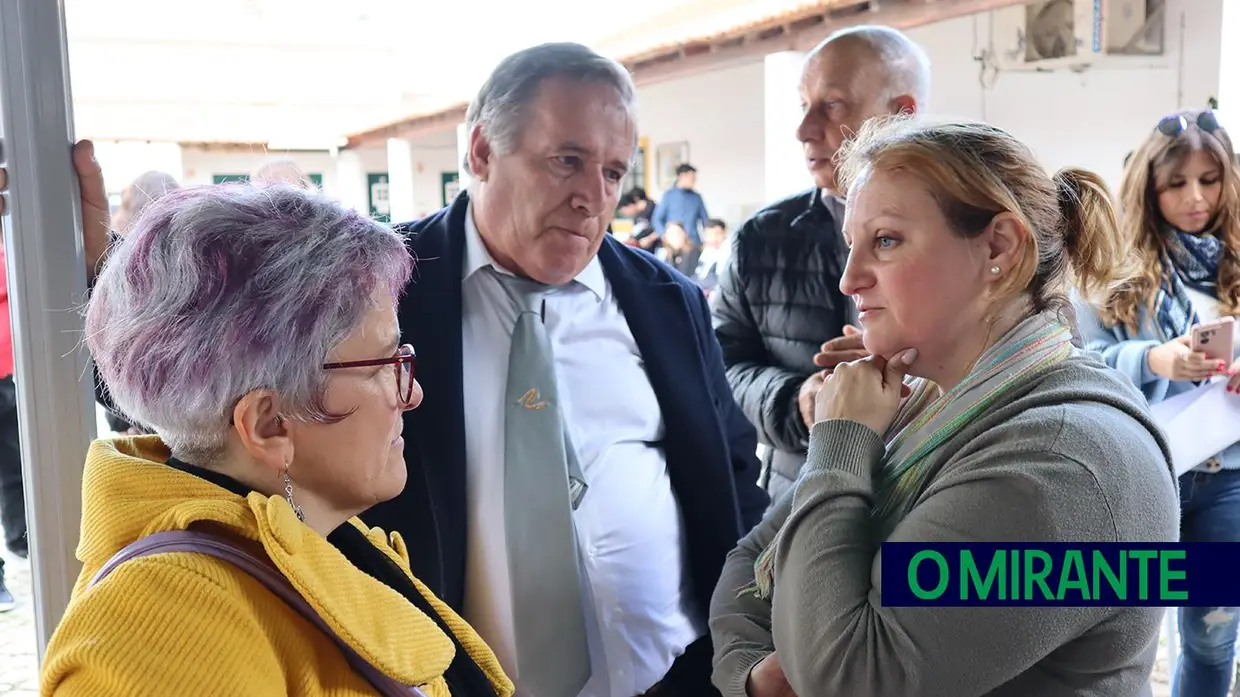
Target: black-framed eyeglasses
{"points": [[403, 363], [1174, 125]]}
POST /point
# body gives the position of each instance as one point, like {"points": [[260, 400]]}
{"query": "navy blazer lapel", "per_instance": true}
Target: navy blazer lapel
{"points": [[431, 321], [657, 313]]}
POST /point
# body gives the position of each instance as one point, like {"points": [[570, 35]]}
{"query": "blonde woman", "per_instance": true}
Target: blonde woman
{"points": [[961, 250]]}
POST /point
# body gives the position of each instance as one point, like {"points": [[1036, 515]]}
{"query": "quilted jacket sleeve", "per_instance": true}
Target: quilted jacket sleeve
{"points": [[766, 392]]}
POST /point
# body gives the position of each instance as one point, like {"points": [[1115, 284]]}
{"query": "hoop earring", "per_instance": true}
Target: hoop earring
{"points": [[288, 496]]}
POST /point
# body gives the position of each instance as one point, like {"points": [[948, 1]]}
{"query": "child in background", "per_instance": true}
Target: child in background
{"points": [[715, 251], [678, 250]]}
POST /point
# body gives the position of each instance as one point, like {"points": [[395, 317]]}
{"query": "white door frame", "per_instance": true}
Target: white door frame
{"points": [[47, 287]]}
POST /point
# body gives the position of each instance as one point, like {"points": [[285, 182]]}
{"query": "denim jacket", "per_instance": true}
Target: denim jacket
{"points": [[1128, 352]]}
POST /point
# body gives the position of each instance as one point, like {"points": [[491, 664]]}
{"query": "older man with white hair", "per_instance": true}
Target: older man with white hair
{"points": [[584, 486], [778, 298]]}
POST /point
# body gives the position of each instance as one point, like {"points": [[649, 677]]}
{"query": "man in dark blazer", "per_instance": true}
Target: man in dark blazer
{"points": [[669, 457]]}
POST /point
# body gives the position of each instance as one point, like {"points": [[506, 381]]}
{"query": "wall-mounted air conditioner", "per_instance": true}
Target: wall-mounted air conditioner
{"points": [[1056, 34]]}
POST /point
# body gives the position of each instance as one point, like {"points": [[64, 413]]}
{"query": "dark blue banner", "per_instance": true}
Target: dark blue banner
{"points": [[1061, 574]]}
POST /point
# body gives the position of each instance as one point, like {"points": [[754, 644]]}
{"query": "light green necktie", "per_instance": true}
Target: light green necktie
{"points": [[542, 487]]}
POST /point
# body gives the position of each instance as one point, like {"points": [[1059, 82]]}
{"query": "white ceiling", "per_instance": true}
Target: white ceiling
{"points": [[303, 73]]}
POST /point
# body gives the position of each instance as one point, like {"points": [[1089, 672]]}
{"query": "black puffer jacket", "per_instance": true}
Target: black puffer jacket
{"points": [[778, 299]]}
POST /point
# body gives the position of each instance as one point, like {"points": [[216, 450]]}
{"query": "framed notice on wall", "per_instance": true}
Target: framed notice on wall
{"points": [[451, 186], [377, 196], [671, 156]]}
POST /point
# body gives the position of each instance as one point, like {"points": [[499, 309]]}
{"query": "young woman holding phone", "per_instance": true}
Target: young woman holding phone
{"points": [[1180, 209]]}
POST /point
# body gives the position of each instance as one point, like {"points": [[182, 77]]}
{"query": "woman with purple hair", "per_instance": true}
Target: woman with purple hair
{"points": [[254, 331], [148, 187]]}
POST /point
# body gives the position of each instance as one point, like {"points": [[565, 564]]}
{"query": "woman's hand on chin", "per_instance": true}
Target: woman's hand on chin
{"points": [[867, 391]]}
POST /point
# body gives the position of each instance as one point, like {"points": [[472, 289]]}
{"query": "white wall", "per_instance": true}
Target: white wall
{"points": [[124, 161], [429, 163], [199, 166], [193, 165], [720, 114], [1229, 75], [1090, 119]]}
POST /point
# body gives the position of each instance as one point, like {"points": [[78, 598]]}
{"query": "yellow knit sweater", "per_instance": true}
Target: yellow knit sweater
{"points": [[184, 624]]}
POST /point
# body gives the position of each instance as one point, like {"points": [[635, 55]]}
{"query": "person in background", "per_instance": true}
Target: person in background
{"points": [[715, 251], [12, 494], [683, 204], [636, 206], [283, 427], [1180, 208], [582, 465], [678, 251], [962, 252], [282, 171], [149, 186], [778, 297]]}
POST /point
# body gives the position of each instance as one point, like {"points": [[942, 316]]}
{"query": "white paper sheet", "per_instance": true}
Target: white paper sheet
{"points": [[1199, 423]]}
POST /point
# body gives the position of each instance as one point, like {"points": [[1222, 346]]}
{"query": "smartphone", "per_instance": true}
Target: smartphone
{"points": [[1216, 339]]}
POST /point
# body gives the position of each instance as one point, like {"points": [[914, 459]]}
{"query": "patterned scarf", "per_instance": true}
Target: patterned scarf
{"points": [[1191, 261], [928, 418]]}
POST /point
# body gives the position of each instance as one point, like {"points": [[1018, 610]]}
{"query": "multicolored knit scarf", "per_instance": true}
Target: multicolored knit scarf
{"points": [[1190, 262], [928, 418]]}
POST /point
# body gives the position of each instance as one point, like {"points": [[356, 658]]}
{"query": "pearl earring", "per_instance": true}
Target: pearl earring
{"points": [[995, 270]]}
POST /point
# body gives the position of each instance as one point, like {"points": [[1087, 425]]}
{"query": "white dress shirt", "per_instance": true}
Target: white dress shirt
{"points": [[640, 612]]}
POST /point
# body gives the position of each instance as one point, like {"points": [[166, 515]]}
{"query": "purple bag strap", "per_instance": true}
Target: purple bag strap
{"points": [[266, 573]]}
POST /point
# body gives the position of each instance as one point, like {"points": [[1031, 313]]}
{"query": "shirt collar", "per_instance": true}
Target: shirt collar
{"points": [[835, 204], [478, 258]]}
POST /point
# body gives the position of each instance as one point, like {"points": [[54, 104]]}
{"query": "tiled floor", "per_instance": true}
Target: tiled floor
{"points": [[18, 666]]}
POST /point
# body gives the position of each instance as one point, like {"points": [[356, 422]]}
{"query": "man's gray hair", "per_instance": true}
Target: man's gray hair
{"points": [[907, 64], [500, 104]]}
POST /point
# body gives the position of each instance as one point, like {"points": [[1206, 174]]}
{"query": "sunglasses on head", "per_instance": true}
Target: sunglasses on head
{"points": [[1176, 124]]}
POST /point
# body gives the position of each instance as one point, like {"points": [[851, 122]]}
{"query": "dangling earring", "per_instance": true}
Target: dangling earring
{"points": [[288, 496]]}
